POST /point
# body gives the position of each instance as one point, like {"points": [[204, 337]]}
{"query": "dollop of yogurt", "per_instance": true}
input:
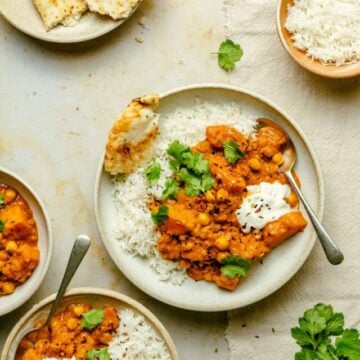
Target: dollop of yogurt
{"points": [[263, 204]]}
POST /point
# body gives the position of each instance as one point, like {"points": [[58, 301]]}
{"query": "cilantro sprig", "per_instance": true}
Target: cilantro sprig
{"points": [[191, 168], [92, 318], [232, 151], [235, 266], [2, 200], [152, 173], [98, 354], [228, 54], [171, 189], [160, 216], [315, 335]]}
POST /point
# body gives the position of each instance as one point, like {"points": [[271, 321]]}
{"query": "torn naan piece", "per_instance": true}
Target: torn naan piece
{"points": [[130, 142], [55, 12], [117, 9]]}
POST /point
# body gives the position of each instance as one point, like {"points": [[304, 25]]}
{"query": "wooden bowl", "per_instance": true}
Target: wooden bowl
{"points": [[315, 66], [93, 296]]}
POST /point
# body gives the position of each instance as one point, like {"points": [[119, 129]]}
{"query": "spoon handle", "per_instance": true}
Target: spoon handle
{"points": [[81, 246], [332, 251]]}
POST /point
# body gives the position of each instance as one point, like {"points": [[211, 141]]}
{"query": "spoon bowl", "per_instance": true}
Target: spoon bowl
{"points": [[332, 251]]}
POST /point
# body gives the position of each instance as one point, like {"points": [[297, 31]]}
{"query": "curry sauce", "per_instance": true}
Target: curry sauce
{"points": [[201, 231], [19, 253]]}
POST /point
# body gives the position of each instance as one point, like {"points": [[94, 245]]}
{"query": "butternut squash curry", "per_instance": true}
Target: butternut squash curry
{"points": [[19, 253], [201, 217], [80, 331]]}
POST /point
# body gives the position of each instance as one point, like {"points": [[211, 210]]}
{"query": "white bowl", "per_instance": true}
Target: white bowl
{"points": [[277, 267], [23, 292], [93, 296]]}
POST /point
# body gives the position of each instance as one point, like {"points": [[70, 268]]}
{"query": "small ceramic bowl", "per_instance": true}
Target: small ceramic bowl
{"points": [[93, 296], [23, 292], [315, 66]]}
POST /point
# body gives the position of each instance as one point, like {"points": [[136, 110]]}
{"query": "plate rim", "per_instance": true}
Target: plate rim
{"points": [[50, 242], [75, 40], [319, 211], [143, 310]]}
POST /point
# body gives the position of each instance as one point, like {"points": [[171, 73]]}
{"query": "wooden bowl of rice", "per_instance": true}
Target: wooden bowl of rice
{"points": [[143, 325], [301, 57]]}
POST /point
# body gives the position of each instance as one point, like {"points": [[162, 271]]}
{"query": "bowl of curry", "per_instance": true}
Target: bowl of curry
{"points": [[25, 241], [195, 199], [90, 323]]}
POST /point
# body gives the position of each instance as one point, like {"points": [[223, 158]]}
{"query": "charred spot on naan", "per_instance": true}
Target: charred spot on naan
{"points": [[132, 136]]}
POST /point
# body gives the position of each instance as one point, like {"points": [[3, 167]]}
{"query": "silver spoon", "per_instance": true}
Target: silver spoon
{"points": [[80, 247], [332, 251]]}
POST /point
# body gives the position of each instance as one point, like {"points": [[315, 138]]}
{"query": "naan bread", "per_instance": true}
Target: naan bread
{"points": [[131, 137], [54, 12], [117, 9]]}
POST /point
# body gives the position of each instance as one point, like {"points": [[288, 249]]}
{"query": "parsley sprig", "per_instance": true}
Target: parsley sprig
{"points": [[228, 54], [315, 334], [160, 216], [152, 173], [232, 151], [191, 168], [92, 318], [235, 266]]}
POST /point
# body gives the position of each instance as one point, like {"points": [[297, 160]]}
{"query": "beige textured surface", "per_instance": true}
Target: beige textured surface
{"points": [[329, 113]]}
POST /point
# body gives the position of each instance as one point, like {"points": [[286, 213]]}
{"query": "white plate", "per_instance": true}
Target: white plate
{"points": [[25, 291], [278, 267], [93, 296], [23, 15]]}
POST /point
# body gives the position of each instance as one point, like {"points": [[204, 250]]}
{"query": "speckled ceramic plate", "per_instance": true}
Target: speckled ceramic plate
{"points": [[93, 296], [25, 291], [277, 268], [23, 15]]}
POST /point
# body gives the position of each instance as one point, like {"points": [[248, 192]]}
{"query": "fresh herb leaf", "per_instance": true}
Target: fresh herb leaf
{"points": [[2, 225], [315, 333], [98, 354], [92, 318], [171, 189], [207, 182], [235, 266], [176, 150], [193, 185], [348, 345], [160, 216], [232, 151], [229, 53], [174, 165], [152, 173], [2, 200], [196, 162]]}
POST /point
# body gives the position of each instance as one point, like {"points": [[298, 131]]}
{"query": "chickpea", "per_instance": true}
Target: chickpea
{"points": [[8, 288], [254, 164], [78, 310], [9, 195], [222, 194], [189, 245], [204, 219], [11, 246], [208, 276], [71, 323], [292, 199], [222, 242], [209, 196], [221, 256], [277, 158]]}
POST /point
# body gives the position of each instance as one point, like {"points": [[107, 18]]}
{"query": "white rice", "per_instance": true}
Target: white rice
{"points": [[327, 30], [134, 228], [135, 339]]}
